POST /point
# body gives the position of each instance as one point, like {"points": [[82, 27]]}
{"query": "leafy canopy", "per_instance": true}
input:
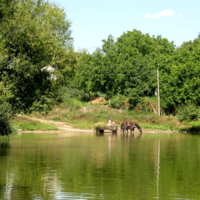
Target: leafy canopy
{"points": [[125, 66], [36, 35]]}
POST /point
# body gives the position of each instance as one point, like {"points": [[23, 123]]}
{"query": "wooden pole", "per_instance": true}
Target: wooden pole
{"points": [[158, 91]]}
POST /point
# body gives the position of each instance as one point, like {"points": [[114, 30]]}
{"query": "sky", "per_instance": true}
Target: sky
{"points": [[94, 20]]}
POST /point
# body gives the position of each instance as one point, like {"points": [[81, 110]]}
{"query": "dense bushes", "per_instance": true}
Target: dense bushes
{"points": [[188, 112], [127, 66], [120, 102], [6, 115], [123, 68], [36, 54], [68, 93]]}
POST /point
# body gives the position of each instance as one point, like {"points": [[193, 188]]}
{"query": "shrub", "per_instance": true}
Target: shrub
{"points": [[6, 115], [99, 94], [188, 113], [133, 96], [120, 101], [67, 92]]}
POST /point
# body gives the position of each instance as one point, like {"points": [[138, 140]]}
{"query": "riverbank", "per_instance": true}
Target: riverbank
{"points": [[75, 115], [63, 127]]}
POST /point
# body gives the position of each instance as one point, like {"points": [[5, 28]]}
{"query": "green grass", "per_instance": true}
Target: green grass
{"points": [[56, 119], [158, 127], [32, 125], [84, 115]]}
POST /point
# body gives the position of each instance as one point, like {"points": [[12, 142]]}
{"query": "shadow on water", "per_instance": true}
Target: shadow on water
{"points": [[125, 136], [99, 134], [2, 187], [4, 146], [194, 133], [102, 133], [194, 130], [190, 132], [13, 187]]}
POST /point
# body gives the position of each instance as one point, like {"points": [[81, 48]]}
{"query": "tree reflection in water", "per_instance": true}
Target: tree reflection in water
{"points": [[4, 145]]}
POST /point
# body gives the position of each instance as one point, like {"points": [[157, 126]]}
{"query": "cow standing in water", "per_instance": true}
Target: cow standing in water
{"points": [[125, 126]]}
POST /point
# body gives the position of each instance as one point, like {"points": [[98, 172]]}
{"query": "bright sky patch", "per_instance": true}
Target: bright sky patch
{"points": [[165, 13]]}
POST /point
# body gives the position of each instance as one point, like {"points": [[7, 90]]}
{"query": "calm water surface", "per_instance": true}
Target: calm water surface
{"points": [[86, 166]]}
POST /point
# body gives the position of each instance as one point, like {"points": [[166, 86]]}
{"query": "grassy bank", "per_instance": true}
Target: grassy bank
{"points": [[31, 125], [84, 115]]}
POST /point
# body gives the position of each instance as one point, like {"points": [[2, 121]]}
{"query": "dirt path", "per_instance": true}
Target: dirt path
{"points": [[62, 126]]}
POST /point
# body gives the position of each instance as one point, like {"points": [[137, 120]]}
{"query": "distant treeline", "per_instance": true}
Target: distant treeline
{"points": [[128, 66], [36, 36]]}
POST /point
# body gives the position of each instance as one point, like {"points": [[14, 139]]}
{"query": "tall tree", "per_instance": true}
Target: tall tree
{"points": [[180, 85], [37, 35], [125, 66]]}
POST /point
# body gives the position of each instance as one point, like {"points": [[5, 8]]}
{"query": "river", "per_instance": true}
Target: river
{"points": [[86, 166]]}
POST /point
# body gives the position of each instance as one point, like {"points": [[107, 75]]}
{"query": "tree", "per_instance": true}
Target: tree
{"points": [[125, 66], [180, 85], [6, 8], [6, 115], [37, 35]]}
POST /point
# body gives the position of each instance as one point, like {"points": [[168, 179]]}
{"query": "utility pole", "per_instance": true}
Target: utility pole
{"points": [[158, 91]]}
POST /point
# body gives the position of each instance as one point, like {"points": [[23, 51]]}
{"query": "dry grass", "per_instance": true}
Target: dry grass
{"points": [[97, 100], [100, 126]]}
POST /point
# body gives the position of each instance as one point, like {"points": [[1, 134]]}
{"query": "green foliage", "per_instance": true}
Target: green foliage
{"points": [[120, 101], [6, 116], [100, 94], [179, 84], [188, 112], [68, 92], [158, 127], [36, 35], [193, 126], [126, 66], [171, 127], [6, 9]]}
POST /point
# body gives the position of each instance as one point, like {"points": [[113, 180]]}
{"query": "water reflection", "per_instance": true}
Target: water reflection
{"points": [[99, 133], [158, 169], [131, 136], [111, 167], [4, 145]]}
